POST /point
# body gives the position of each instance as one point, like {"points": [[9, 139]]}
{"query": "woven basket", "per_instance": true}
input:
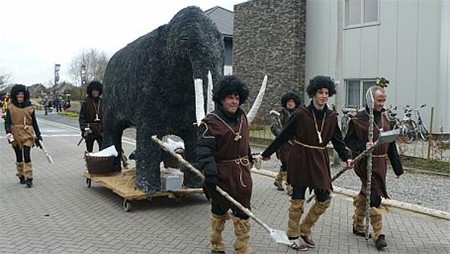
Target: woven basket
{"points": [[100, 165]]}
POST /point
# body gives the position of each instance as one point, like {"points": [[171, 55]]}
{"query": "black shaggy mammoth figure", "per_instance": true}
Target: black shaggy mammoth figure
{"points": [[149, 84]]}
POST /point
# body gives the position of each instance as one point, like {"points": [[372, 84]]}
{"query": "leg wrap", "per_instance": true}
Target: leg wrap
{"points": [[242, 232], [217, 227], [19, 168], [359, 202], [279, 177], [313, 215], [28, 170], [377, 223], [284, 176], [295, 212]]}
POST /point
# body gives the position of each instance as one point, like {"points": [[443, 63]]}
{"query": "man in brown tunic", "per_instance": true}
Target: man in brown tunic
{"points": [[357, 140], [290, 102], [224, 156], [22, 131], [91, 113], [312, 128]]}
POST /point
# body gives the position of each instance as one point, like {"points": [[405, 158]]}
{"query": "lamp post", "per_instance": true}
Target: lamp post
{"points": [[83, 79], [57, 67]]}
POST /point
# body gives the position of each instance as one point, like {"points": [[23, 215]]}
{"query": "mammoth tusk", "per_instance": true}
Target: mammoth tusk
{"points": [[209, 101], [257, 103], [199, 100]]}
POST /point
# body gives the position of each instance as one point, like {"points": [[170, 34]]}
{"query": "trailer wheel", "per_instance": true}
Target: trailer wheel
{"points": [[88, 182], [126, 205]]}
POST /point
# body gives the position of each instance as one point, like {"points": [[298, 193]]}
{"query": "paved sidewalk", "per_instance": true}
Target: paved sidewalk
{"points": [[60, 214]]}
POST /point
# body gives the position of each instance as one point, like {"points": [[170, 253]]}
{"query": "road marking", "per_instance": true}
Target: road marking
{"points": [[124, 139]]}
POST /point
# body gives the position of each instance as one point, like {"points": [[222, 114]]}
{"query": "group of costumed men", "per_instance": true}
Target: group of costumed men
{"points": [[224, 156], [22, 129], [302, 134]]}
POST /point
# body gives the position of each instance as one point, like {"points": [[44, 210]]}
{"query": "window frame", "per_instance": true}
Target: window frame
{"points": [[361, 23], [362, 91]]}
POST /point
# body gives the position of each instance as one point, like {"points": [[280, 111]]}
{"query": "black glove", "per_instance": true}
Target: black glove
{"points": [[38, 140], [211, 181], [82, 134]]}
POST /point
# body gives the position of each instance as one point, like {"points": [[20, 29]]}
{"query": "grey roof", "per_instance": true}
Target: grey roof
{"points": [[223, 19]]}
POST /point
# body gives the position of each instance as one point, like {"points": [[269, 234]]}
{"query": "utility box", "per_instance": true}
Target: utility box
{"points": [[171, 182]]}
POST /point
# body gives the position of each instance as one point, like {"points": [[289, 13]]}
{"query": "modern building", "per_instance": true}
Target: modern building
{"points": [[354, 42], [223, 19]]}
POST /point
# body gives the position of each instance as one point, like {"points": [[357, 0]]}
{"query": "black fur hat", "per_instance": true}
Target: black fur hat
{"points": [[319, 82], [16, 89], [290, 95], [228, 85], [94, 85]]}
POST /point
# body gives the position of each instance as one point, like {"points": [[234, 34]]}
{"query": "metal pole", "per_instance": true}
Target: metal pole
{"points": [[430, 133]]}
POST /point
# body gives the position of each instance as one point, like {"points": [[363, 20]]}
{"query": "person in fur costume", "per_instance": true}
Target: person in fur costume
{"points": [[290, 102], [357, 140], [91, 113], [223, 154], [308, 167], [22, 131]]}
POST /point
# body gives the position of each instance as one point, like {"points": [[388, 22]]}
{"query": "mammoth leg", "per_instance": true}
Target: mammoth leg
{"points": [[191, 180], [148, 177], [112, 135]]}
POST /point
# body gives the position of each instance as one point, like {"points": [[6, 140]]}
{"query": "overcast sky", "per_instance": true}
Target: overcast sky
{"points": [[37, 34]]}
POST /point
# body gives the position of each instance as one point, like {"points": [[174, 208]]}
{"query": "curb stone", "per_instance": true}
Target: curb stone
{"points": [[389, 202]]}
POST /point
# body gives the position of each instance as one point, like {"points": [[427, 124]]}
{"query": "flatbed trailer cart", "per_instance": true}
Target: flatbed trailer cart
{"points": [[122, 183]]}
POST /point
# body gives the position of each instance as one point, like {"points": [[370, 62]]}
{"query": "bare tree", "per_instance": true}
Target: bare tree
{"points": [[5, 76], [94, 61]]}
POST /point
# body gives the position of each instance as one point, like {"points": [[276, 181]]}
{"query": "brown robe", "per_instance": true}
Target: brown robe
{"points": [[310, 167], [283, 152], [22, 125], [94, 108], [233, 175], [379, 158]]}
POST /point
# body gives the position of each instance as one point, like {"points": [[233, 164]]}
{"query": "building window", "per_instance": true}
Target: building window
{"points": [[356, 92], [360, 12]]}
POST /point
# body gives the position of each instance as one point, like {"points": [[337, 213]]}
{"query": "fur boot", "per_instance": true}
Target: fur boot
{"points": [[308, 222], [242, 232], [279, 181], [295, 213], [28, 173], [359, 202], [217, 227], [377, 225], [20, 174]]}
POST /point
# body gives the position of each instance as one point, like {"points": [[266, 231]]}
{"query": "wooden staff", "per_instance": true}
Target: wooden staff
{"points": [[369, 164]]}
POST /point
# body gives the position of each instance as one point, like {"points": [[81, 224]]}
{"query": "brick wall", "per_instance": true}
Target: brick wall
{"points": [[269, 39]]}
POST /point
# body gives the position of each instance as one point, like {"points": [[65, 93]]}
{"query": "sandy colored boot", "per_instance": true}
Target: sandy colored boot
{"points": [[295, 213], [359, 202], [313, 215], [279, 181], [20, 174], [242, 232], [377, 225], [28, 173], [217, 227]]}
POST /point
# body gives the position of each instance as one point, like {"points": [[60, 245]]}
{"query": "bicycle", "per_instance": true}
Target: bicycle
{"points": [[421, 129], [347, 115], [406, 126], [410, 130]]}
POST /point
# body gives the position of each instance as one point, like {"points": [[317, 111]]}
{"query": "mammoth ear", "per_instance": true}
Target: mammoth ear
{"points": [[209, 101], [199, 101], [257, 103]]}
